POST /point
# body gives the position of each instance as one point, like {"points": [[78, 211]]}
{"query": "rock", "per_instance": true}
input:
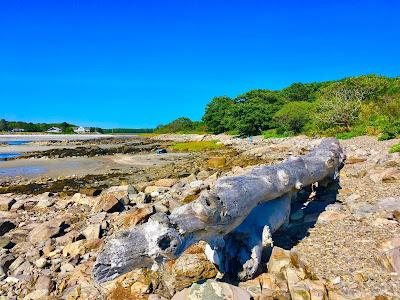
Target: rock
{"points": [[92, 192], [4, 242], [82, 199], [388, 175], [6, 202], [202, 175], [141, 186], [92, 231], [329, 216], [67, 267], [75, 248], [264, 286], [140, 198], [25, 268], [16, 263], [216, 162], [279, 260], [389, 255], [150, 189], [107, 203], [122, 192], [44, 283], [137, 216], [6, 226], [308, 290], [353, 159], [41, 263], [166, 182], [214, 290], [37, 295], [45, 200], [190, 267], [45, 231], [391, 175]]}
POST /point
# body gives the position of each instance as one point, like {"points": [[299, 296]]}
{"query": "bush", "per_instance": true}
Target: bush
{"points": [[274, 134], [293, 116], [395, 148]]}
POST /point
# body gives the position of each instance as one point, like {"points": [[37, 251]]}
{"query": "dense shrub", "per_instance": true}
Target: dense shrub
{"points": [[344, 108]]}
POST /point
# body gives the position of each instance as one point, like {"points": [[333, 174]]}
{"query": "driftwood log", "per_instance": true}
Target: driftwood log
{"points": [[236, 218]]}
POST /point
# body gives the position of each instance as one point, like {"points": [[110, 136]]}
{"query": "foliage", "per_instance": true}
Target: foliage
{"points": [[125, 130], [196, 146], [272, 133], [395, 148], [217, 114], [181, 125], [34, 127], [3, 125], [293, 116], [348, 107], [302, 91]]}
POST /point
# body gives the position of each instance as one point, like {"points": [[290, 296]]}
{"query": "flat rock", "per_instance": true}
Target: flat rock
{"points": [[165, 182], [45, 231]]}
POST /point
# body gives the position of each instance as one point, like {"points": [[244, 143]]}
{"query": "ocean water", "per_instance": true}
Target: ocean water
{"points": [[4, 156], [14, 143]]}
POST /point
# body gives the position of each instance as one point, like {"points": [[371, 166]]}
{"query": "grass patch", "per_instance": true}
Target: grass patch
{"points": [[395, 148], [274, 134], [196, 146]]}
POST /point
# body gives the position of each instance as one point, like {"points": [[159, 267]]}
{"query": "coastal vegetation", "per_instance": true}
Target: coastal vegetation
{"points": [[395, 148], [181, 125], [344, 108], [34, 127], [196, 146], [354, 106]]}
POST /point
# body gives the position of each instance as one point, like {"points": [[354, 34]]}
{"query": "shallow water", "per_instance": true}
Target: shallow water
{"points": [[4, 156], [14, 143], [20, 171]]}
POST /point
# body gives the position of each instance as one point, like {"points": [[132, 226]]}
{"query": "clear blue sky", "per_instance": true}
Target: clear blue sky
{"points": [[115, 63]]}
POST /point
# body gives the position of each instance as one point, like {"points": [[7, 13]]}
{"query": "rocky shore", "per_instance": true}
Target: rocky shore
{"points": [[345, 244]]}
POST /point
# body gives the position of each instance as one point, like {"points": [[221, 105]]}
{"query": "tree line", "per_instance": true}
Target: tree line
{"points": [[65, 127], [368, 104]]}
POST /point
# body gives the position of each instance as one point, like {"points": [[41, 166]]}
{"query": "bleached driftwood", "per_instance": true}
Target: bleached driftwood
{"points": [[257, 202]]}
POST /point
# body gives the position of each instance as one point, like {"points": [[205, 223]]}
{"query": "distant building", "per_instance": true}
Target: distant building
{"points": [[54, 130], [17, 130], [80, 130]]}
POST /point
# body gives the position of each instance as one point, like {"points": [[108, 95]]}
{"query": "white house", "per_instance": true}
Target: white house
{"points": [[81, 130], [54, 130], [17, 130]]}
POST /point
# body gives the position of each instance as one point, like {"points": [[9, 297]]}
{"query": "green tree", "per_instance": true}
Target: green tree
{"points": [[251, 117], [302, 91], [293, 116], [3, 125], [340, 103], [217, 111]]}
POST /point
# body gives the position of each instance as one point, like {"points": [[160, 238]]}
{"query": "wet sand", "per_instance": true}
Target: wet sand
{"points": [[81, 166]]}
